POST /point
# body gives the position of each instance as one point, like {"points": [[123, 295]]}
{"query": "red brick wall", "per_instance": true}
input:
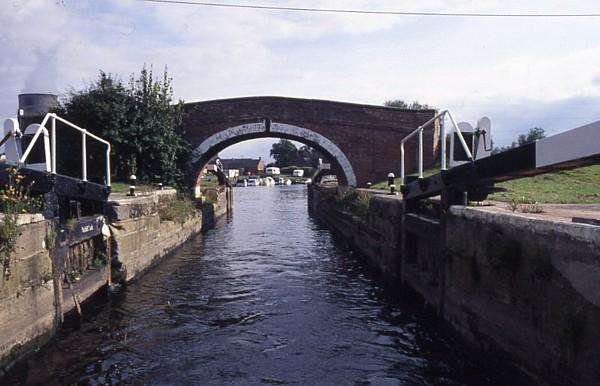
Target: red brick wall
{"points": [[368, 135]]}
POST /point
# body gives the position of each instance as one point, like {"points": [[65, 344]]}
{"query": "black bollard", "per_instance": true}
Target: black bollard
{"points": [[391, 178], [132, 180]]}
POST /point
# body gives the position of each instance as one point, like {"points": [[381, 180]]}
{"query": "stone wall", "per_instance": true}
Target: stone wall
{"points": [[140, 237], [32, 299], [372, 230], [26, 295], [524, 287], [530, 286], [217, 202]]}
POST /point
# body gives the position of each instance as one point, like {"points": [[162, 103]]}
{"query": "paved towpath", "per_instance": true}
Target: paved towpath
{"points": [[588, 213]]}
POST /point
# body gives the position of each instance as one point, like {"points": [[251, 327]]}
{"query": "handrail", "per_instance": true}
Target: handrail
{"points": [[419, 131], [84, 134]]}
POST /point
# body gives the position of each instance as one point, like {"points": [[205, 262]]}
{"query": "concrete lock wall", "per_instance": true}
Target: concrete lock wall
{"points": [[217, 202], [526, 288], [32, 302], [26, 295], [373, 232], [140, 237], [531, 286]]}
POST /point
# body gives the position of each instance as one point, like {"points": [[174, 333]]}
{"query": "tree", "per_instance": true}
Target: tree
{"points": [[533, 135], [400, 104], [284, 152], [396, 103], [309, 156], [141, 122]]}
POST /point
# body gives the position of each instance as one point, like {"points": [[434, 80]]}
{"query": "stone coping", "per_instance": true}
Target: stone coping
{"points": [[530, 221], [124, 199], [26, 218]]}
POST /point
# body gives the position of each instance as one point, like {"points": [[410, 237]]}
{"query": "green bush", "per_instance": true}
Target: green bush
{"points": [[141, 119]]}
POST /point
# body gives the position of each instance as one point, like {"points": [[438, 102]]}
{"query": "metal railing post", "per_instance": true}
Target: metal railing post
{"points": [[53, 139], [460, 137], [51, 164], [108, 165], [443, 148], [421, 152], [401, 163], [443, 140], [83, 155]]}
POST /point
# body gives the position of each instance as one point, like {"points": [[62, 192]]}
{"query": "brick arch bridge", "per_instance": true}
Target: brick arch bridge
{"points": [[362, 142]]}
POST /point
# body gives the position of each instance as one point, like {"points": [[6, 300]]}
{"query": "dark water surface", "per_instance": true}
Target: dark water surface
{"points": [[267, 298]]}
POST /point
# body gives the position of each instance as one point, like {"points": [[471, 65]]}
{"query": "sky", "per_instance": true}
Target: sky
{"points": [[520, 72]]}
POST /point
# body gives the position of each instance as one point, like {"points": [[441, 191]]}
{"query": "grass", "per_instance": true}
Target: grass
{"points": [[209, 180], [123, 187], [384, 184], [575, 186]]}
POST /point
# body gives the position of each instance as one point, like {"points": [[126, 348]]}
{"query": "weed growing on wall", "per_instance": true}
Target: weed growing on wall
{"points": [[179, 210], [525, 205], [17, 196], [532, 207], [9, 233], [100, 259], [513, 205], [14, 200], [354, 201], [345, 197], [73, 276], [46, 277], [70, 224]]}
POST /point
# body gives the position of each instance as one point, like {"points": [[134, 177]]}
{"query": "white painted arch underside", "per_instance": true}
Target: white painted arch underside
{"points": [[298, 133]]}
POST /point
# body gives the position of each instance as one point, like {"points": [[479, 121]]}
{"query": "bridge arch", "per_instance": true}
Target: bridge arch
{"points": [[360, 140], [217, 142]]}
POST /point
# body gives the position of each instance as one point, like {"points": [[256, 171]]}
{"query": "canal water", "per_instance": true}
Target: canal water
{"points": [[268, 297]]}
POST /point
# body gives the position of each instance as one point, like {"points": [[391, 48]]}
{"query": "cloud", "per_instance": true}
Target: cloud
{"points": [[553, 116], [522, 73]]}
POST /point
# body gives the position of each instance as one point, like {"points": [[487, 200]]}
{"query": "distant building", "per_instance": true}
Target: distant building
{"points": [[232, 173], [273, 171], [245, 166]]}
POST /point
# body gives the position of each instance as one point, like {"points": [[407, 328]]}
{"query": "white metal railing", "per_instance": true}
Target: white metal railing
{"points": [[84, 135], [419, 131]]}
